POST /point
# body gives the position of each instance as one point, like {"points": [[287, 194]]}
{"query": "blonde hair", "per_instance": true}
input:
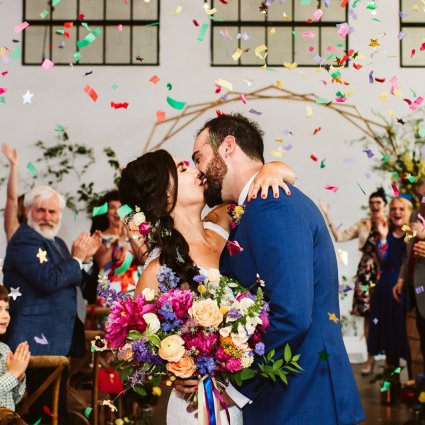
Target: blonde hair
{"points": [[408, 208]]}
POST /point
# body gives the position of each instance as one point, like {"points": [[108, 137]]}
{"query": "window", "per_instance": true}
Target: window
{"points": [[283, 29], [115, 32], [412, 34]]}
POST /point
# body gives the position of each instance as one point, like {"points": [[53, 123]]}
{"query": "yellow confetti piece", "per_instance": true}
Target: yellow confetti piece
{"points": [[398, 93], [360, 56], [343, 256], [278, 153], [390, 113], [178, 10], [210, 11], [237, 54], [383, 97], [372, 285], [226, 84], [280, 140], [333, 317], [374, 42], [3, 51], [272, 31], [259, 50], [309, 111], [286, 17], [279, 84], [415, 7], [290, 66], [42, 256]]}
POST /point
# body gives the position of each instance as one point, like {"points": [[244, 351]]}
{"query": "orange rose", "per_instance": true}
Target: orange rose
{"points": [[172, 348], [206, 313], [182, 369]]}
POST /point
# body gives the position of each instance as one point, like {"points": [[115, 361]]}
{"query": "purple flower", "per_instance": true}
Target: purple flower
{"points": [[206, 365], [142, 354], [167, 279], [166, 311], [259, 348], [137, 378], [200, 278], [233, 314]]}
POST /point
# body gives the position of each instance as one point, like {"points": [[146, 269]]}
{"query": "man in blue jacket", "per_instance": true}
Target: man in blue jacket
{"points": [[49, 312], [286, 242]]}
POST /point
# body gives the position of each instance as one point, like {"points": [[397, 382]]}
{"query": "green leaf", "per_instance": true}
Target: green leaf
{"points": [[154, 339], [292, 369], [271, 354], [296, 357], [156, 381], [278, 364], [296, 365], [139, 390], [134, 335], [282, 376], [247, 374], [288, 353]]}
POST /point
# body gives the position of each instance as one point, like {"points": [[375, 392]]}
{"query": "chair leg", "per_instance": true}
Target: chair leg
{"points": [[55, 397], [95, 396]]}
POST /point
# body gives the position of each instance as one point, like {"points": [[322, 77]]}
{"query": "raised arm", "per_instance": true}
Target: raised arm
{"points": [[11, 222]]}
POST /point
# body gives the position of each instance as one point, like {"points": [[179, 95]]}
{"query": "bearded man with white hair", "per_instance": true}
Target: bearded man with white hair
{"points": [[49, 314]]}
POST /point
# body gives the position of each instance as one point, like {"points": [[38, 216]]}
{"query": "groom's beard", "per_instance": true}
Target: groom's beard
{"points": [[216, 170]]}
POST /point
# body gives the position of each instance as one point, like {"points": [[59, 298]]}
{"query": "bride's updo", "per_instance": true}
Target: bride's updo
{"points": [[150, 183]]}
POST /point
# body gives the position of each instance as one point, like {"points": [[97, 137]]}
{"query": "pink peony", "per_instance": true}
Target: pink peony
{"points": [[246, 294], [233, 365], [203, 343], [221, 355], [180, 301], [125, 316], [266, 322]]}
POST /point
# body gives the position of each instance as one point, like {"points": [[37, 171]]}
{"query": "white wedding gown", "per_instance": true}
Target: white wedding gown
{"points": [[177, 405]]}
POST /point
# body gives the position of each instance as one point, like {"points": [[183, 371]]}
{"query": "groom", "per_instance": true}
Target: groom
{"points": [[286, 242]]}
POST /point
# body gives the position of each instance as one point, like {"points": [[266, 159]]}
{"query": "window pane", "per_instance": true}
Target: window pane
{"points": [[256, 38], [63, 49], [329, 42], [92, 53], [302, 13], [36, 44], [229, 12], [145, 45], [117, 9], [250, 11], [33, 8], [91, 9], [334, 12], [223, 46], [413, 10], [117, 45], [280, 47], [302, 54], [143, 10], [278, 10], [414, 38], [66, 10]]}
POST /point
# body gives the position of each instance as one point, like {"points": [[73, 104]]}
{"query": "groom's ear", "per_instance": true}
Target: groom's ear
{"points": [[228, 146]]}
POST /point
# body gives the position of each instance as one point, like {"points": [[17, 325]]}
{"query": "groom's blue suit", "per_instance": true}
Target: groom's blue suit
{"points": [[286, 242]]}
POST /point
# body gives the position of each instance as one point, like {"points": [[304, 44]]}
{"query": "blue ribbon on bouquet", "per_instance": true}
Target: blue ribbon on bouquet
{"points": [[209, 395]]}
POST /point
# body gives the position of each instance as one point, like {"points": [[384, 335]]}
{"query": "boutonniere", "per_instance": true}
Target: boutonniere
{"points": [[236, 212]]}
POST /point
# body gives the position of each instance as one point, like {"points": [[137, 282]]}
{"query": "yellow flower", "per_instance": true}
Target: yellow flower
{"points": [[172, 348], [422, 397], [224, 309], [156, 391], [202, 289]]}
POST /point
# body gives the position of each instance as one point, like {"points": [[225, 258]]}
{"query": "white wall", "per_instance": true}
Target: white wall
{"points": [[59, 99]]}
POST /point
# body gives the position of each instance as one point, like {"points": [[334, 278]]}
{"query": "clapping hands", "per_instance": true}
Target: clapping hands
{"points": [[17, 362], [86, 245]]}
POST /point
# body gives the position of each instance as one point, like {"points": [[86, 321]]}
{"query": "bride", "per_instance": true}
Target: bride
{"points": [[168, 191]]}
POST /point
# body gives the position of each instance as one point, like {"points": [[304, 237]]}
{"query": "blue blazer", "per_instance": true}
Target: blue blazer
{"points": [[48, 303], [286, 242]]}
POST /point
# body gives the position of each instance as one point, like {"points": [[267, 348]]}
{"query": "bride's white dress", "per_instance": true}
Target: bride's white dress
{"points": [[177, 405]]}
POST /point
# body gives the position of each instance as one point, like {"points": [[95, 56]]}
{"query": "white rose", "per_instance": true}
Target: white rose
{"points": [[149, 294], [247, 360], [245, 304], [213, 275], [139, 218], [153, 323]]}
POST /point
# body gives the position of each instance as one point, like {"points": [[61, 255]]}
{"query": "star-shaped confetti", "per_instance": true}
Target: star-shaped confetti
{"points": [[374, 42], [27, 97], [42, 256], [14, 293], [333, 317]]}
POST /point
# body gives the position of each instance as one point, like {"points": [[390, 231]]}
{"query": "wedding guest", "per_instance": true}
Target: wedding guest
{"points": [[12, 365], [118, 246], [49, 311], [367, 271], [14, 211], [387, 334]]}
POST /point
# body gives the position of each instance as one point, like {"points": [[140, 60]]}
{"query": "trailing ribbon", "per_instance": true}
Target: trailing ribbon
{"points": [[221, 401], [209, 395]]}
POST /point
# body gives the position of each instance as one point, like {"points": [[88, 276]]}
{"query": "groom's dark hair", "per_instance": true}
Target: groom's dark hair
{"points": [[247, 133]]}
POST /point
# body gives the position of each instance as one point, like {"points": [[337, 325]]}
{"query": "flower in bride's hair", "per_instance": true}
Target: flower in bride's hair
{"points": [[145, 228], [172, 348], [139, 218]]}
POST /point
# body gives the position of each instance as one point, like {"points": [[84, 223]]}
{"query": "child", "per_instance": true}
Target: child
{"points": [[12, 365]]}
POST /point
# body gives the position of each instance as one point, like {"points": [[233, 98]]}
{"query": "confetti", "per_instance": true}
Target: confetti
{"points": [[125, 265], [77, 56], [343, 256], [333, 317], [27, 97], [255, 112], [119, 28], [102, 209], [87, 411], [14, 293], [237, 54], [91, 92], [175, 103], [178, 10], [155, 79], [119, 105], [369, 153], [47, 64], [226, 84], [88, 39], [19, 28], [169, 86], [290, 66], [160, 116], [314, 158], [32, 168], [202, 32], [234, 247], [124, 210], [41, 340], [259, 50], [395, 190], [332, 188], [309, 111]]}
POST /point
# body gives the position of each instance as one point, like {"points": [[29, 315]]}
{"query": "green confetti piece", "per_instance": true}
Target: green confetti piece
{"points": [[114, 86], [371, 6], [103, 209], [364, 288], [59, 127], [202, 32], [32, 168], [395, 176], [37, 422], [385, 387], [413, 93], [175, 103], [61, 32], [421, 132], [339, 45], [153, 24], [324, 355], [169, 86], [86, 26], [340, 94], [44, 13], [55, 2], [398, 370], [385, 158], [77, 56], [97, 31], [305, 2], [16, 53], [411, 178], [332, 56], [294, 33], [364, 193], [322, 164], [125, 265], [2, 99], [88, 39], [322, 100], [213, 141], [355, 3], [124, 210], [336, 74], [74, 215], [376, 19], [87, 411], [213, 18]]}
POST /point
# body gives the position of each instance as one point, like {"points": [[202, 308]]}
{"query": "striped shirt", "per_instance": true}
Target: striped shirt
{"points": [[11, 390]]}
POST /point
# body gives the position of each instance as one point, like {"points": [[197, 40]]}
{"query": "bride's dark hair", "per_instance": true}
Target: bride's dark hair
{"points": [[150, 183]]}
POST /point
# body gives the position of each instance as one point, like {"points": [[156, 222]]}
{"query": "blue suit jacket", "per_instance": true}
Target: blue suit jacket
{"points": [[286, 242], [48, 302]]}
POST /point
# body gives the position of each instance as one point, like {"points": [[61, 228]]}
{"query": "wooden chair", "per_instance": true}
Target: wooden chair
{"points": [[58, 363]]}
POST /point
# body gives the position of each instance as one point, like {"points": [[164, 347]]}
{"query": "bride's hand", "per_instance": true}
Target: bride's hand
{"points": [[186, 386], [272, 174]]}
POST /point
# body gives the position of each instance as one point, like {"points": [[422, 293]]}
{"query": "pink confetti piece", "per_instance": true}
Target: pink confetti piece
{"points": [[332, 188], [343, 29], [308, 34], [415, 105], [395, 190], [394, 84], [41, 340], [234, 247], [311, 49], [317, 15], [422, 48], [187, 163], [4, 73], [47, 64], [19, 28], [243, 98], [119, 28], [3, 90]]}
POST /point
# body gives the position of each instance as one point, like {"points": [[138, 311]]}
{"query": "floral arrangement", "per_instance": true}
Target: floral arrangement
{"points": [[214, 332], [236, 212]]}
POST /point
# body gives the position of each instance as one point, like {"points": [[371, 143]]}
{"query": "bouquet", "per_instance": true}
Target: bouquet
{"points": [[214, 332]]}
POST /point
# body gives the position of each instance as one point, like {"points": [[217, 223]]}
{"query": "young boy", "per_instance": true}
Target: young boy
{"points": [[12, 365]]}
